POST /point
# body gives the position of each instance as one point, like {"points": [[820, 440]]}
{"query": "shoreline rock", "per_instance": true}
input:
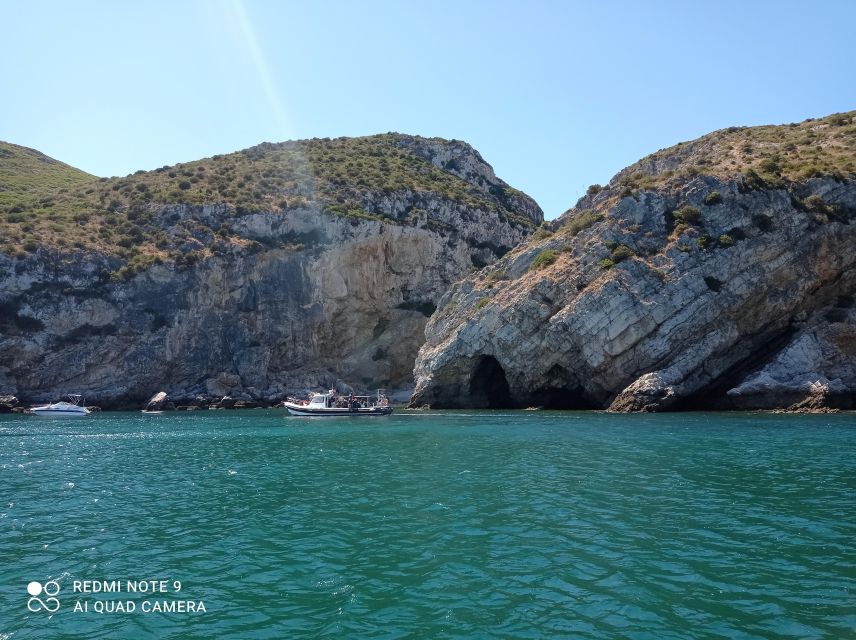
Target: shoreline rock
{"points": [[8, 404]]}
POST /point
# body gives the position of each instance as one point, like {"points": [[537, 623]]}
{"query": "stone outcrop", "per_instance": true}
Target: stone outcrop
{"points": [[8, 404], [266, 303], [694, 290], [817, 401]]}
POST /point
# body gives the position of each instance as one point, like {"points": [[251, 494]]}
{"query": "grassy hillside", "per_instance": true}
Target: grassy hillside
{"points": [[775, 154], [117, 215], [26, 176], [765, 157]]}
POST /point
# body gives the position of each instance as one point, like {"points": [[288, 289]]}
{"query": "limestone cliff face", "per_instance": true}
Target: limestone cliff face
{"points": [[256, 304], [695, 289]]}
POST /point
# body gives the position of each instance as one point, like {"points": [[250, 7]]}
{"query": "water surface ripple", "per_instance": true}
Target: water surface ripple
{"points": [[436, 524]]}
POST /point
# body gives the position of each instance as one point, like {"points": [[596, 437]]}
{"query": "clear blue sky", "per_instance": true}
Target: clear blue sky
{"points": [[556, 95]]}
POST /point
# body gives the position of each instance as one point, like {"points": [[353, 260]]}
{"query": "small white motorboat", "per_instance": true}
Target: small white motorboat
{"points": [[330, 404], [70, 406]]}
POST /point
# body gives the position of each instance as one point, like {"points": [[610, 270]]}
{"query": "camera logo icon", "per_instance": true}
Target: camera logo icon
{"points": [[49, 589]]}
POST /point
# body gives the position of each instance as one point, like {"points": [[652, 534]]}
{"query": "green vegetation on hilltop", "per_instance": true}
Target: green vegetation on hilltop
{"points": [[757, 158], [765, 155], [774, 156], [27, 176], [119, 215]]}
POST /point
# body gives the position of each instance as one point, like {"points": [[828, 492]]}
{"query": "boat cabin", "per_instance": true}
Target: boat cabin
{"points": [[321, 401]]}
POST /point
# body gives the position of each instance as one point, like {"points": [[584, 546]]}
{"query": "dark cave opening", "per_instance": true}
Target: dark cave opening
{"points": [[560, 391], [561, 398], [488, 385]]}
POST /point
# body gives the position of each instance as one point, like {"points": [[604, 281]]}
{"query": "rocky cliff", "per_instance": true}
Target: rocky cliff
{"points": [[270, 271], [717, 273]]}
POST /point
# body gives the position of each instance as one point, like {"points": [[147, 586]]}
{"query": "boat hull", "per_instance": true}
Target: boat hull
{"points": [[63, 409], [59, 413], [305, 410]]}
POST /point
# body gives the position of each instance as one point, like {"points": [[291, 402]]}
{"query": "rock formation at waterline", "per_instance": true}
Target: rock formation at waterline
{"points": [[717, 273], [269, 271]]}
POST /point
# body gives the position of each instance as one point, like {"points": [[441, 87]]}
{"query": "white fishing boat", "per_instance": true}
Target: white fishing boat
{"points": [[70, 406], [330, 404]]}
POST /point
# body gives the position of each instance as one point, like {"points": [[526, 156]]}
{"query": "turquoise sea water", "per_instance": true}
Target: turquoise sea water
{"points": [[433, 525]]}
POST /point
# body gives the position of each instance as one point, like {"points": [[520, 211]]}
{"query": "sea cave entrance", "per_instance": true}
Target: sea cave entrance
{"points": [[560, 390], [488, 385], [561, 398]]}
